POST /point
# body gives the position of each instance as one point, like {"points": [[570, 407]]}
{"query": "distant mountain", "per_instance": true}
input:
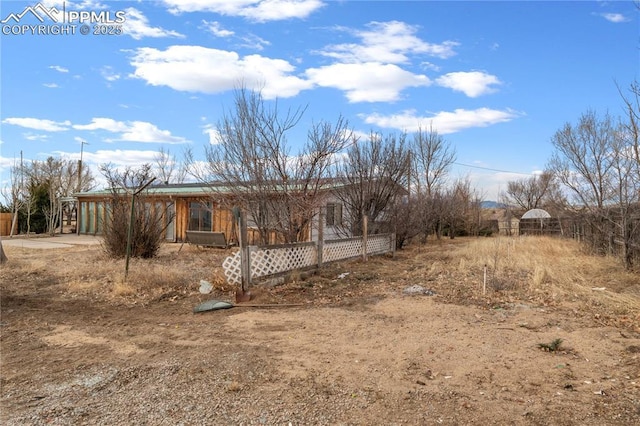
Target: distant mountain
{"points": [[492, 205]]}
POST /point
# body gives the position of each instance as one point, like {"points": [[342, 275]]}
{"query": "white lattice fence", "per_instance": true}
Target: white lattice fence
{"points": [[352, 247], [271, 260], [378, 244], [341, 249], [232, 269]]}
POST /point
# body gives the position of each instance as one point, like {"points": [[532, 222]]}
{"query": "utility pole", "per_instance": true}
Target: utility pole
{"points": [[79, 186], [21, 172], [409, 170], [82, 144]]}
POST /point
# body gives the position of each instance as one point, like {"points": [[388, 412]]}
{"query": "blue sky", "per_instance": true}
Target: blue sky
{"points": [[496, 79]]}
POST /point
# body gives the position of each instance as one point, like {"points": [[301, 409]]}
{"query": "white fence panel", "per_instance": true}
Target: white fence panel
{"points": [[269, 260], [379, 244], [341, 249], [232, 269]]}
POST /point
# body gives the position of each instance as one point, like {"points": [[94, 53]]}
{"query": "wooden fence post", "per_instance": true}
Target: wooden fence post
{"points": [[245, 259], [365, 225], [392, 237], [320, 242]]}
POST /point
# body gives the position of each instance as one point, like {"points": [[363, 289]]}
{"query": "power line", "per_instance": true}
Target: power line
{"points": [[493, 170]]}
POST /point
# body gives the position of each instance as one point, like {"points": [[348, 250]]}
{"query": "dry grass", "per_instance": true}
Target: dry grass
{"points": [[88, 271], [557, 268], [532, 270]]}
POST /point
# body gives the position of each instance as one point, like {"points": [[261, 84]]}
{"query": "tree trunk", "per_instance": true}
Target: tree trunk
{"points": [[29, 219], [3, 257], [14, 221]]}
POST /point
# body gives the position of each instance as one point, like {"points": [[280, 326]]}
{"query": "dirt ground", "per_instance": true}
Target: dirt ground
{"points": [[79, 347]]}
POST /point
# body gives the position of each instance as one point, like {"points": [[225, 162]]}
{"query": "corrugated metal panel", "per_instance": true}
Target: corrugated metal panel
{"points": [[193, 189]]}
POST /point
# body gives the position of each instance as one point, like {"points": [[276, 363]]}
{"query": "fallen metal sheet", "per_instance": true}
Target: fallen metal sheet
{"points": [[212, 305]]}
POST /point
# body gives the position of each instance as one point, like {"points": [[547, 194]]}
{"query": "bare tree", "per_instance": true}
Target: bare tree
{"points": [[374, 177], [52, 169], [18, 194], [167, 168], [460, 207], [433, 157], [407, 215], [60, 178], [631, 122], [582, 160], [530, 193], [627, 171], [71, 183], [596, 161], [252, 159], [626, 188], [45, 182]]}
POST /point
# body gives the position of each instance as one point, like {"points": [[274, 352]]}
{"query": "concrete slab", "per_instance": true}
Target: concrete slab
{"points": [[59, 241]]}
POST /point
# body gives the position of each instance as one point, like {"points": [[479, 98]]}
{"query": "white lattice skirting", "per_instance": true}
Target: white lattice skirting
{"points": [[267, 260]]}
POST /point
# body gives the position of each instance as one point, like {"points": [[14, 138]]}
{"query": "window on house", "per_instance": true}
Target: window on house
{"points": [[259, 214], [334, 214], [200, 216]]}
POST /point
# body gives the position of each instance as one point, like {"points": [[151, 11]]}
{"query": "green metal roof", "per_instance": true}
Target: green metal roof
{"points": [[183, 190], [192, 189]]}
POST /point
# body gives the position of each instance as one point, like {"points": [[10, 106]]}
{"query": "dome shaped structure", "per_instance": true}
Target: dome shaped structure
{"points": [[536, 214]]}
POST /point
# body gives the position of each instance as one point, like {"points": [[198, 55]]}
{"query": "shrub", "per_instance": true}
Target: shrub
{"points": [[147, 234], [148, 229]]}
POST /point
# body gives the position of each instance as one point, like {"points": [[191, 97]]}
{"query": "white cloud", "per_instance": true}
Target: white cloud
{"points": [[101, 123], [132, 131], [38, 124], [254, 10], [472, 84], [142, 131], [429, 66], [137, 26], [444, 122], [216, 29], [367, 82], [616, 18], [213, 133], [118, 157], [389, 42], [59, 68], [200, 69], [252, 41], [109, 74], [50, 85], [35, 137], [369, 71]]}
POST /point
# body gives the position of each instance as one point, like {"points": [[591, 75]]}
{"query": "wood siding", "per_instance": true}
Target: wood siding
{"points": [[222, 219], [5, 224]]}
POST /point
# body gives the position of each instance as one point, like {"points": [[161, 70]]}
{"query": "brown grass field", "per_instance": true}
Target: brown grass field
{"points": [[553, 338]]}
